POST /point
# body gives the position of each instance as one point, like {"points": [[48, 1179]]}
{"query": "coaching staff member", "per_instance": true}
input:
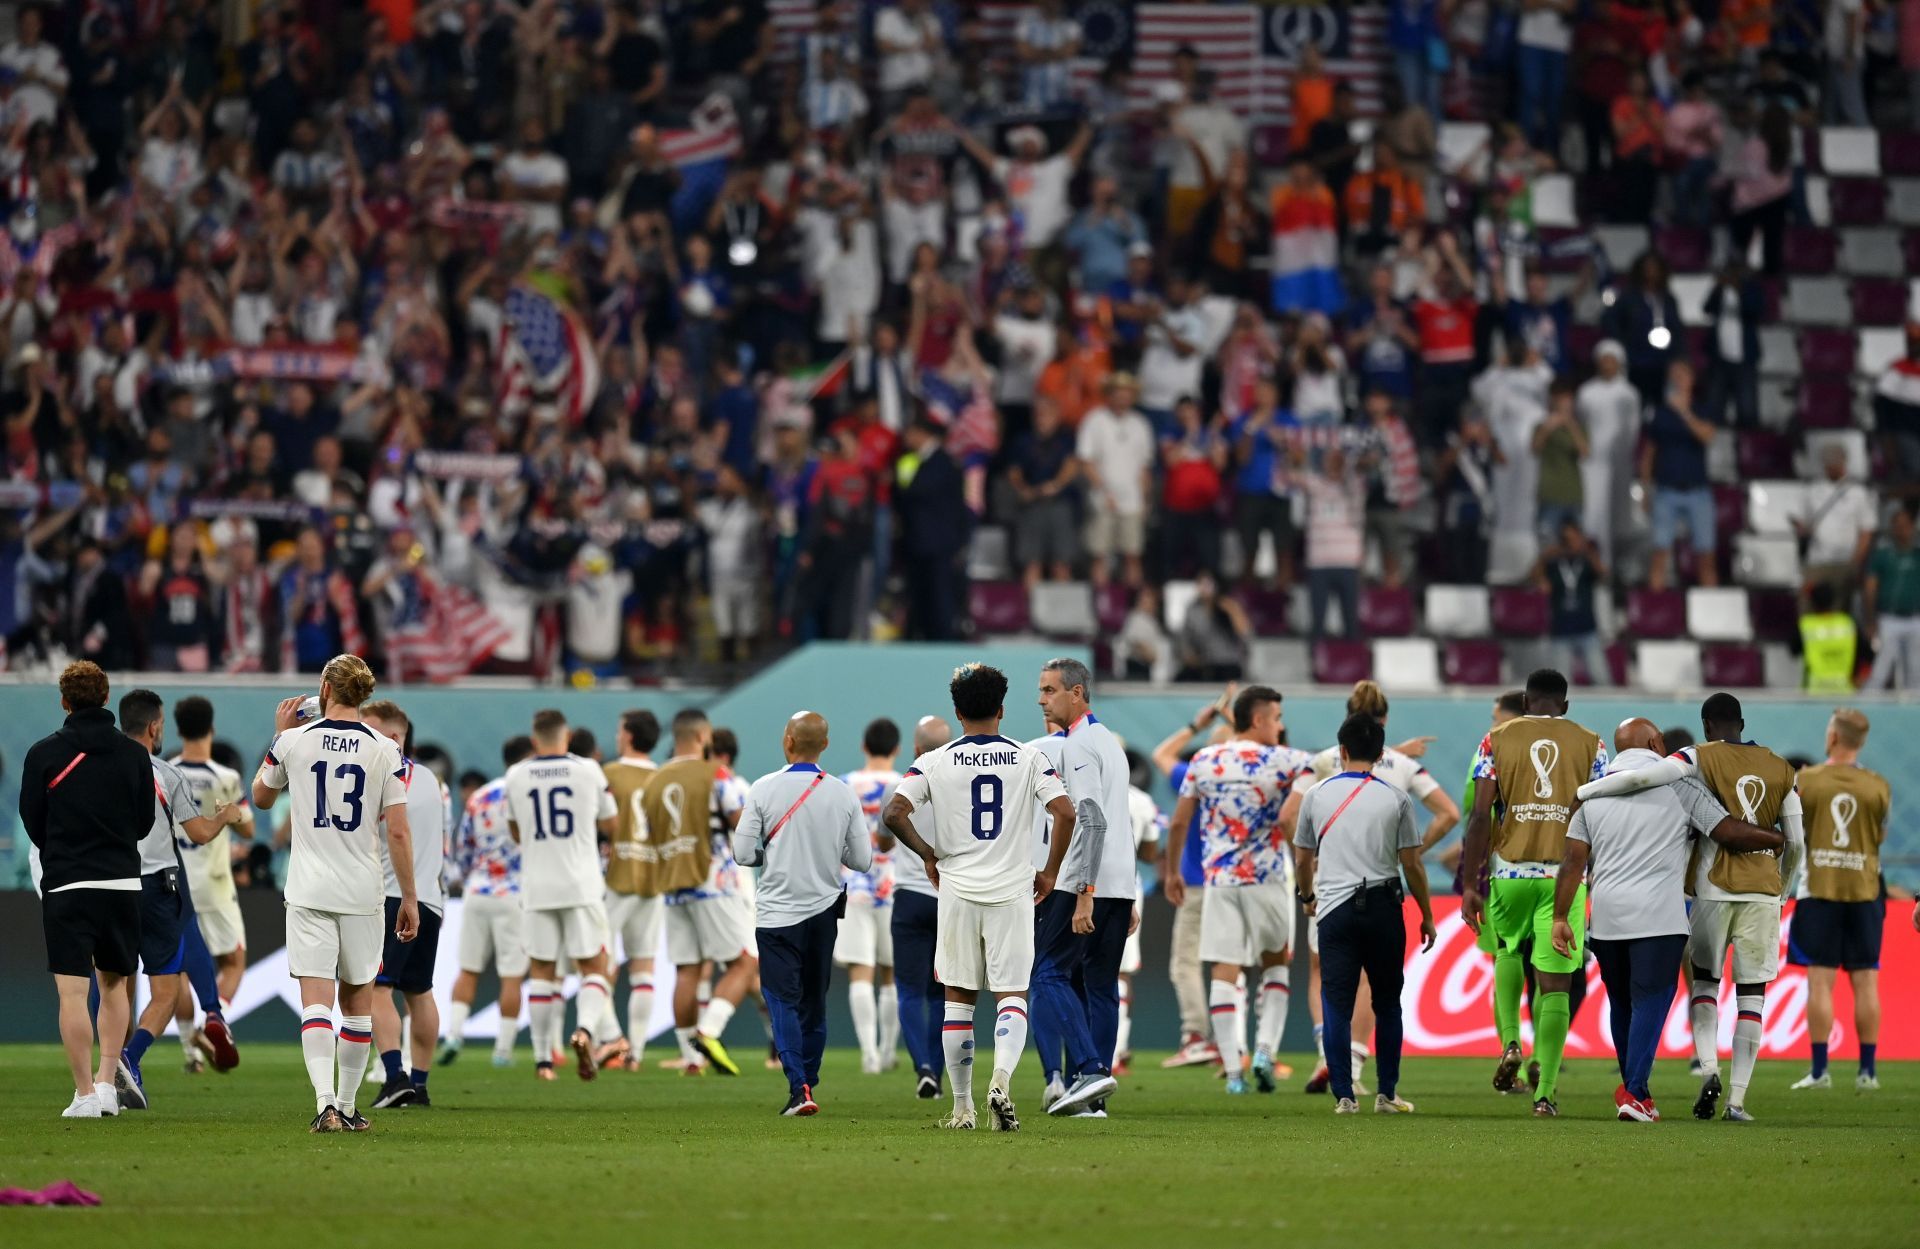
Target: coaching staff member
{"points": [[800, 827], [1354, 838], [916, 927], [86, 799]]}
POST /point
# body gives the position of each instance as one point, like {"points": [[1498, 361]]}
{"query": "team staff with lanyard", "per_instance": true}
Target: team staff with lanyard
{"points": [[1355, 837]]}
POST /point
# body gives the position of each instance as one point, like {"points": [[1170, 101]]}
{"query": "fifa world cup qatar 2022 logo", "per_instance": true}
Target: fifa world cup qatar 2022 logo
{"points": [[1843, 808], [1544, 754], [1751, 792]]}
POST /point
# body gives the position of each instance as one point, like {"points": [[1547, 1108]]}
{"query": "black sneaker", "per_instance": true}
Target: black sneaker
{"points": [[328, 1120], [928, 1088], [355, 1122], [397, 1091], [420, 1099], [800, 1104], [1544, 1109], [1508, 1068], [1709, 1098]]}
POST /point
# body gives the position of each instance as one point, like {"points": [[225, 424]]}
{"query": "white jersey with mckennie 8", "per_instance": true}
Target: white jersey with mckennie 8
{"points": [[429, 812], [339, 776], [557, 802], [985, 793]]}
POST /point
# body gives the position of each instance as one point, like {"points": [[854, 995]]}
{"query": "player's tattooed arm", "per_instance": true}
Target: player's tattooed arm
{"points": [[899, 821]]}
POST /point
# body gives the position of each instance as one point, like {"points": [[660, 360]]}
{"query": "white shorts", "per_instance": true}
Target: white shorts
{"points": [[579, 932], [323, 945], [1243, 922], [493, 936], [1751, 929], [222, 928], [865, 938], [636, 921], [982, 946], [710, 930]]}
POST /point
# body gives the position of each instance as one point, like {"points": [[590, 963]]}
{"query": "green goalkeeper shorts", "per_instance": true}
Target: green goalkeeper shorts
{"points": [[1522, 909]]}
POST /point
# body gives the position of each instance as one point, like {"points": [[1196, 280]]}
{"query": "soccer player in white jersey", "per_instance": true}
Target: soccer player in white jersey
{"points": [[1238, 787], [492, 926], [981, 789], [1149, 830], [864, 944], [209, 869], [1408, 775], [407, 967], [341, 778], [555, 802]]}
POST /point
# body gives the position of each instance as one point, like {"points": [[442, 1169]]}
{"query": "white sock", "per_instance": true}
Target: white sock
{"points": [[317, 1047], [1746, 1044], [1703, 1011], [543, 1005], [860, 1002], [688, 1054], [504, 1038], [1242, 1001], [889, 1022], [593, 1006], [639, 1017], [1123, 1039], [956, 1038], [186, 1040], [1223, 998], [1360, 1052], [355, 1051], [1275, 997], [1009, 1035], [1319, 1044], [715, 1018], [456, 1024]]}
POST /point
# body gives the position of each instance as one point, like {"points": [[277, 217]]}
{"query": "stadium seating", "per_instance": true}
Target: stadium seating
{"points": [[1718, 615], [1668, 665], [1386, 611], [1472, 662], [1458, 611], [1341, 662], [1736, 666], [1407, 664], [998, 606], [1519, 613], [1064, 609]]}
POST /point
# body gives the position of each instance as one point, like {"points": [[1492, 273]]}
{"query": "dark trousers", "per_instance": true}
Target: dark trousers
{"points": [[1366, 933], [1640, 975], [933, 601], [1330, 585], [916, 923], [1076, 985], [796, 967]]}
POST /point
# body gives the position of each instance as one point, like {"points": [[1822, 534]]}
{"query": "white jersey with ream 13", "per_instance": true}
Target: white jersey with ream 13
{"points": [[557, 803], [985, 792], [429, 812], [339, 776]]}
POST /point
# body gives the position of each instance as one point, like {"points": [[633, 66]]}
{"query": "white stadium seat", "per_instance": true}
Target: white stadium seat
{"points": [[1719, 614], [1063, 609], [1766, 560], [1772, 505], [1871, 253], [1877, 350], [1623, 244], [1668, 665], [1781, 666], [1458, 611], [1818, 301], [1690, 291], [1460, 142], [1175, 598], [1854, 441], [1779, 352], [1819, 203], [1903, 201], [1850, 151], [989, 554], [1553, 201], [1407, 663], [1280, 662]]}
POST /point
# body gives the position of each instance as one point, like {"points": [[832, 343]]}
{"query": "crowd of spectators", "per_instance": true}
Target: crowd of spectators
{"points": [[260, 264]]}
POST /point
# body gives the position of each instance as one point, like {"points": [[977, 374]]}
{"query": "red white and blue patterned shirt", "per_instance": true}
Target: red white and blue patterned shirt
{"points": [[1240, 787]]}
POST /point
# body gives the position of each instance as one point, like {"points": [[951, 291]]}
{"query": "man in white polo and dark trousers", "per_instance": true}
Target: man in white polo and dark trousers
{"points": [[800, 827], [1354, 839]]}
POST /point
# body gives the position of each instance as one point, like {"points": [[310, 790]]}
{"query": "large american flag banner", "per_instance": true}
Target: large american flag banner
{"points": [[1252, 48], [443, 637], [546, 352]]}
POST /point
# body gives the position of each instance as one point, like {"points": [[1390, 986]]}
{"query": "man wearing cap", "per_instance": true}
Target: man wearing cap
{"points": [[1609, 409], [1116, 448], [1036, 183]]}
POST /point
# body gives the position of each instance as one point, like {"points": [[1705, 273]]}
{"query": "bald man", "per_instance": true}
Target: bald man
{"points": [[916, 923], [1632, 852], [800, 827]]}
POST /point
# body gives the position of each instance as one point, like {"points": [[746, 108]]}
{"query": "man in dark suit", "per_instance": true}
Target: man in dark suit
{"points": [[934, 527]]}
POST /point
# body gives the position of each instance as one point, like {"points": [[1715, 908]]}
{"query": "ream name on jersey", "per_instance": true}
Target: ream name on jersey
{"points": [[339, 777]]}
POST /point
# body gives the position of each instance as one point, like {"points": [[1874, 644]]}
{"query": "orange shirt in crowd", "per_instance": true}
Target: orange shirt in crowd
{"points": [[1312, 104], [1749, 21], [1409, 202], [1637, 125], [1076, 384]]}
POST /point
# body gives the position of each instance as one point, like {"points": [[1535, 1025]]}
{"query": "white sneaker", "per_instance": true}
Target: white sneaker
{"points": [[962, 1119], [869, 1065], [1866, 1082], [1810, 1081], [1347, 1106], [109, 1099], [1054, 1092], [1395, 1105], [82, 1107]]}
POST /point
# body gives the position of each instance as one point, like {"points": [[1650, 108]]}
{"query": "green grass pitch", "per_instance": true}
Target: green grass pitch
{"points": [[656, 1158]]}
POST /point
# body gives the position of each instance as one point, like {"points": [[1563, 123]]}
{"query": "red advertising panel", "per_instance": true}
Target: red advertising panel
{"points": [[1448, 999]]}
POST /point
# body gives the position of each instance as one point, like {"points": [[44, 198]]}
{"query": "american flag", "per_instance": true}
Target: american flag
{"points": [[793, 21], [545, 351], [1252, 49], [713, 134], [448, 638]]}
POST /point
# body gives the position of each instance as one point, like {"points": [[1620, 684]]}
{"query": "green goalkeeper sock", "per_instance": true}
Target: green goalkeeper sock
{"points": [[1551, 1019], [1509, 980]]}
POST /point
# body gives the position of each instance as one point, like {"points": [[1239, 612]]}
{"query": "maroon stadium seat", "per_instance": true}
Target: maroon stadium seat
{"points": [[1110, 604], [1337, 662], [1910, 244], [998, 606], [1619, 656], [1475, 662], [1386, 613], [1686, 249], [1656, 613], [1826, 351], [1810, 149], [1763, 455], [1811, 250], [1737, 666], [1857, 201], [1698, 340], [1729, 510], [1517, 612], [1552, 259], [1775, 614], [1266, 610], [1270, 145], [1825, 403], [1879, 301], [1581, 340], [1900, 153]]}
